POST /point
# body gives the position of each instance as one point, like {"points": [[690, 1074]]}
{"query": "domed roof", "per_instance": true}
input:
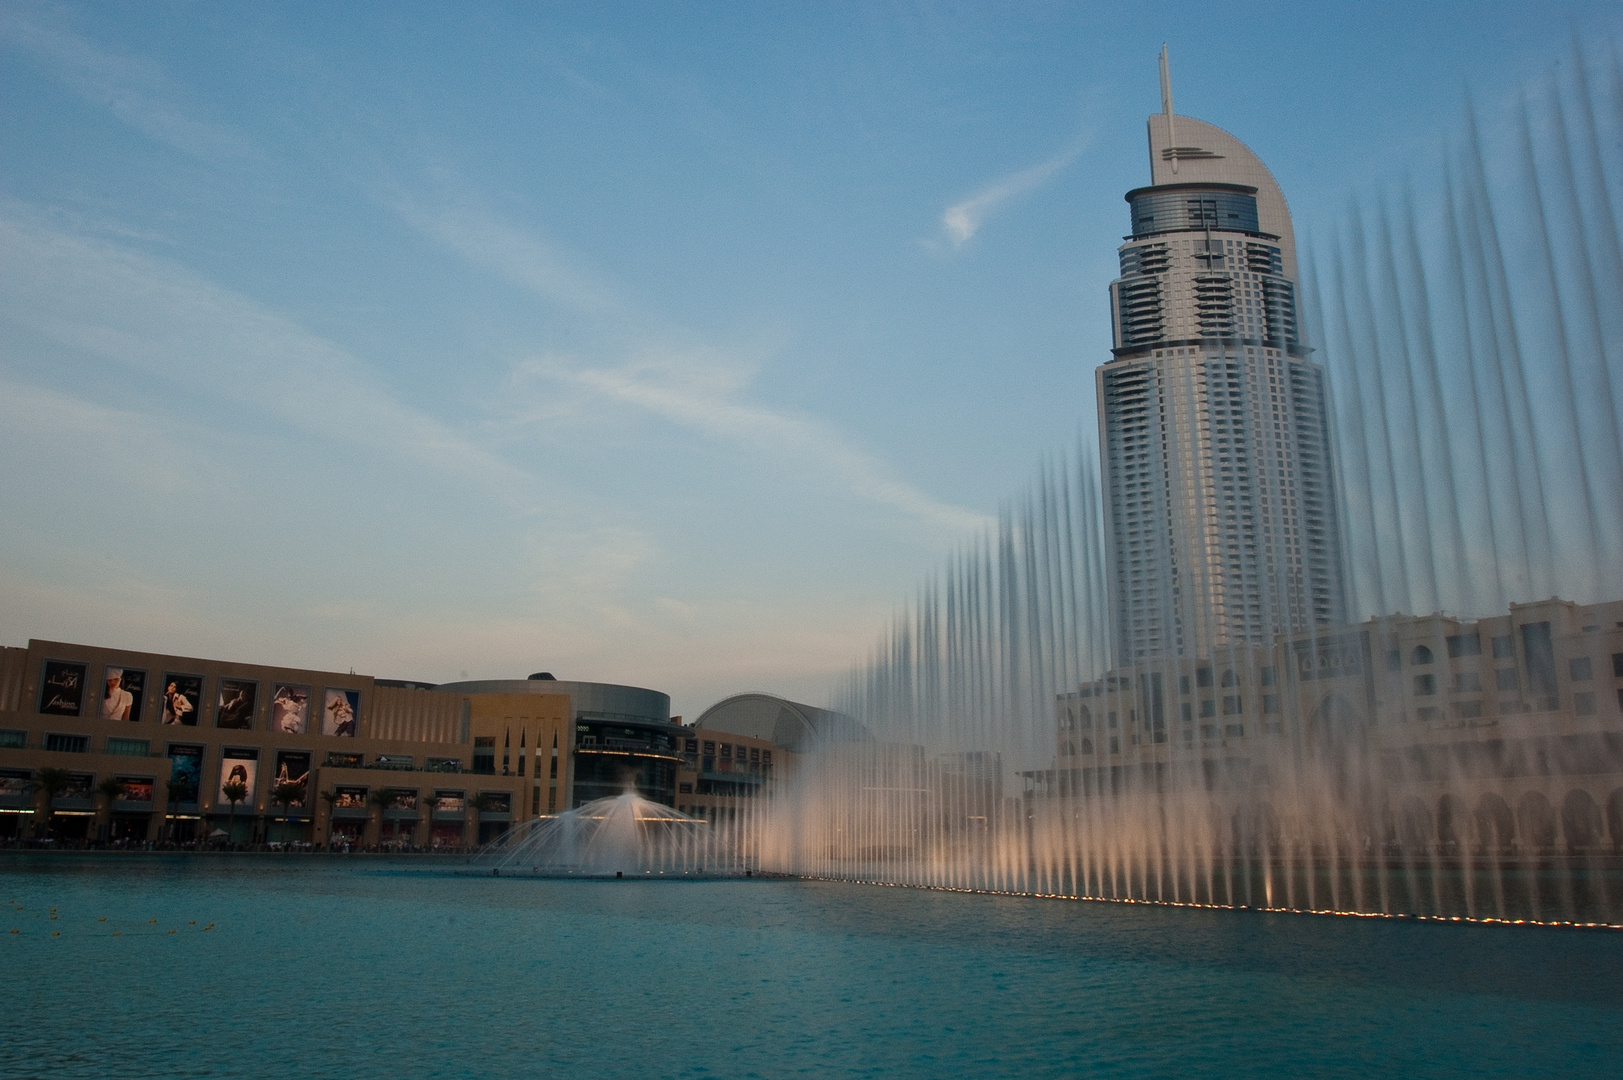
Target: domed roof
{"points": [[788, 724]]}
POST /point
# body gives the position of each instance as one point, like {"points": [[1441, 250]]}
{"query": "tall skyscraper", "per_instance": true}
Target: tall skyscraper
{"points": [[1212, 415]]}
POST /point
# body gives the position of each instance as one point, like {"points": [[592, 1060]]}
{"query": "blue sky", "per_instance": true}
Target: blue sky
{"points": [[659, 344]]}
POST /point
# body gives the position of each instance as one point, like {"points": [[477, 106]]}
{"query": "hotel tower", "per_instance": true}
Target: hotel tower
{"points": [[1212, 416]]}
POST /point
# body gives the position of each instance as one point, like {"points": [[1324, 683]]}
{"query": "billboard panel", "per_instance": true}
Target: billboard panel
{"points": [[290, 708], [349, 798], [235, 709], [123, 689], [136, 788], [293, 768], [338, 715], [182, 694], [16, 783], [62, 691], [450, 802], [237, 766], [186, 770]]}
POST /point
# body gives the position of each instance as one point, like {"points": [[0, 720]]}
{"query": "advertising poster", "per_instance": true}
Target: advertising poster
{"points": [[79, 785], [349, 798], [404, 799], [15, 783], [237, 766], [62, 692], [290, 708], [292, 767], [339, 713], [186, 769], [451, 802], [122, 690], [137, 788], [236, 704], [182, 694]]}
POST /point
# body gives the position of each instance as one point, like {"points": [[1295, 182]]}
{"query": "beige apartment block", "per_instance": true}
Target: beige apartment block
{"points": [[1502, 733]]}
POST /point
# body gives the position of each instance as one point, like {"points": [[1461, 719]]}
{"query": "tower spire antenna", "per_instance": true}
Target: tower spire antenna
{"points": [[1166, 106]]}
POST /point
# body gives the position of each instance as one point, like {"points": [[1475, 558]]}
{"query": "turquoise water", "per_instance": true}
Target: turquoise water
{"points": [[372, 968]]}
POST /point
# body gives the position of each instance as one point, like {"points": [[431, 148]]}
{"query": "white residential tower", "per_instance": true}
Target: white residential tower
{"points": [[1212, 416]]}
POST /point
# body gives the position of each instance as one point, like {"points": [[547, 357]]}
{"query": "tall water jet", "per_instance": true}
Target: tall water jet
{"points": [[1183, 673]]}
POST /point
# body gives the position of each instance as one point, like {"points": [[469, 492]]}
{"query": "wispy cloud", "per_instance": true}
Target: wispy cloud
{"points": [[517, 254], [963, 220], [701, 391], [134, 90], [159, 318], [701, 388]]}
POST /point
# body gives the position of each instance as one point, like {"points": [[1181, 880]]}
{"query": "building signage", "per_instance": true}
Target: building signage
{"points": [[1334, 657], [235, 709], [238, 765], [182, 694], [293, 770], [63, 689], [186, 772], [339, 712], [123, 689], [290, 708]]}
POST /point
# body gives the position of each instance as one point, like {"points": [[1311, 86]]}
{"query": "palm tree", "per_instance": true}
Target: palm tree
{"points": [[234, 792], [382, 798], [285, 795], [52, 782], [330, 797], [177, 791], [110, 790], [483, 803], [431, 800]]}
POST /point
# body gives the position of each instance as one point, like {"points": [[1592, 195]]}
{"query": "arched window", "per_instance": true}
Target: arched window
{"points": [[1614, 818], [1453, 823], [1496, 825], [1421, 655], [1087, 746], [1537, 819], [1230, 679], [1581, 820]]}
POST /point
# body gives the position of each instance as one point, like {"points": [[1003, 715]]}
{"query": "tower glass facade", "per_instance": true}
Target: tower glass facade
{"points": [[1213, 420]]}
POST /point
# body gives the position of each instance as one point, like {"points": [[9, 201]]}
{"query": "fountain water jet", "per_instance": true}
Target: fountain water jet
{"points": [[609, 837], [1396, 765]]}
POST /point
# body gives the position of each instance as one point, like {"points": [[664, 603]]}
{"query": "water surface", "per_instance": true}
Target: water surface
{"points": [[369, 967]]}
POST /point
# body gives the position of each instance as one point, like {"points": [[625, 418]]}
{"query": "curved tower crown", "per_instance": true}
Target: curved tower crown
{"points": [[1184, 150]]}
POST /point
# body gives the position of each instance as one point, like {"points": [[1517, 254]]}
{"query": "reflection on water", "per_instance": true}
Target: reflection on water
{"points": [[380, 968]]}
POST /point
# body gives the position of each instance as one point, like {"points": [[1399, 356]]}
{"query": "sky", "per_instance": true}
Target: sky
{"points": [[668, 345]]}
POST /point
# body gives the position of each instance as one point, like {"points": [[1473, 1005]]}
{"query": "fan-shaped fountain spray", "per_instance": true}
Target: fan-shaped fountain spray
{"points": [[621, 835]]}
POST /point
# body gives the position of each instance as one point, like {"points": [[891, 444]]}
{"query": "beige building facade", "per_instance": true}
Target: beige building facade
{"points": [[101, 745], [1502, 733]]}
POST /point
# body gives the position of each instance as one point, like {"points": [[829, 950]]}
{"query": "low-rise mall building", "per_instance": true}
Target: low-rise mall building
{"points": [[110, 745]]}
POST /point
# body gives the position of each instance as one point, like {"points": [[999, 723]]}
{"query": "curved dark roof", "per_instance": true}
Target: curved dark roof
{"points": [[788, 724]]}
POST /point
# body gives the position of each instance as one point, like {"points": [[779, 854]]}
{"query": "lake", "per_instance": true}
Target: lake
{"points": [[371, 967]]}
